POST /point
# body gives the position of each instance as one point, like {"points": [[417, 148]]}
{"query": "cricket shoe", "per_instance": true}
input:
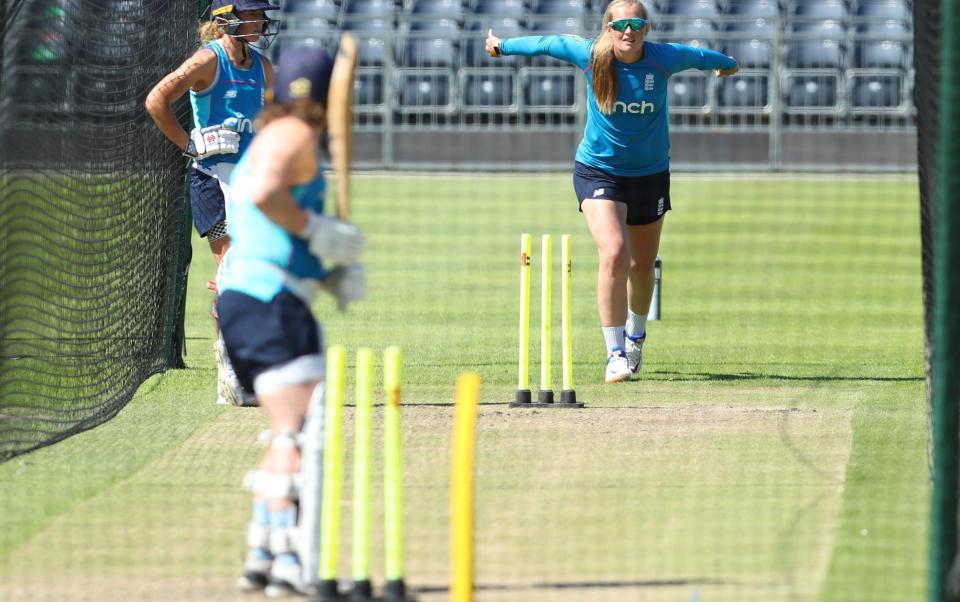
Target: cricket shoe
{"points": [[286, 580], [229, 389], [617, 368], [256, 574], [635, 352]]}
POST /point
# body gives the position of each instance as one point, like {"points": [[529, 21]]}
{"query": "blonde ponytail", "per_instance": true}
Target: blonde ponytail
{"points": [[601, 59], [209, 31]]}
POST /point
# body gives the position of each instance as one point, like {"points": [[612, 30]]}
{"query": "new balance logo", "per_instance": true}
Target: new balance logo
{"points": [[634, 108], [598, 192], [230, 94]]}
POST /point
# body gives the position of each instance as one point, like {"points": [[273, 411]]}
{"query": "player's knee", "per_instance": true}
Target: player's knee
{"points": [[614, 258]]}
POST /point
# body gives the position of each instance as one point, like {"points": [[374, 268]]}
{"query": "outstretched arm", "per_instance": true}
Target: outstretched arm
{"points": [[704, 59], [572, 49]]}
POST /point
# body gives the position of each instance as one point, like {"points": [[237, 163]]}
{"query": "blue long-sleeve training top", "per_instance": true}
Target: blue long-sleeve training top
{"points": [[634, 139]]}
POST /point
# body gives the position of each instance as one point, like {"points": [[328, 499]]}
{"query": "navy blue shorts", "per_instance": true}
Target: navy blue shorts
{"points": [[647, 197], [206, 202], [270, 341]]}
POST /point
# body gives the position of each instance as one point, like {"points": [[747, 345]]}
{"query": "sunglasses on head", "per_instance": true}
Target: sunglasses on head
{"points": [[622, 24]]}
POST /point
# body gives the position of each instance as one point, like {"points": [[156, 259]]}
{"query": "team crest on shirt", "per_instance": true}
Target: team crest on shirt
{"points": [[648, 82]]}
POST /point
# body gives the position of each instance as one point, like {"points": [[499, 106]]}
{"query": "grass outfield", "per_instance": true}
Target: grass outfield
{"points": [[775, 448]]}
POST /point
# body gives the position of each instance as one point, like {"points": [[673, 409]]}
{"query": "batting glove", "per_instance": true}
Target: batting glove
{"points": [[212, 140], [333, 240], [347, 284]]}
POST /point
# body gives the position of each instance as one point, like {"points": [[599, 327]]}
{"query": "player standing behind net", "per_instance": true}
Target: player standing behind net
{"points": [[227, 80], [621, 171], [267, 284]]}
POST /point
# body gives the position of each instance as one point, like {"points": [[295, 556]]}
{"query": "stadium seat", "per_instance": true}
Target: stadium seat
{"points": [[429, 52], [560, 8], [874, 54], [743, 92], [474, 44], [700, 33], [379, 9], [438, 9], [424, 89], [368, 88], [808, 10], [766, 9], [687, 91], [488, 90], [439, 28], [306, 26], [815, 54], [501, 8], [38, 87], [811, 91], [324, 9], [549, 90], [760, 28], [880, 91], [750, 54], [889, 28], [898, 10], [691, 9], [559, 26]]}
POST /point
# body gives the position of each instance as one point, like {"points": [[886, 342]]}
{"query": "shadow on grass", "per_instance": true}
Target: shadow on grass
{"points": [[742, 376], [569, 585]]}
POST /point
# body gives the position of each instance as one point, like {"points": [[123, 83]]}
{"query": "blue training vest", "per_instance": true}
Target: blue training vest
{"points": [[235, 94]]}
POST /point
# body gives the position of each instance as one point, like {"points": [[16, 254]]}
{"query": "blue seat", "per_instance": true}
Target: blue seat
{"points": [[698, 32], [811, 92], [441, 9], [820, 10], [429, 52], [766, 9], [438, 28], [890, 28], [501, 8], [815, 54], [687, 91], [35, 86], [488, 90], [474, 45], [876, 91], [324, 9], [370, 35], [424, 89], [884, 9], [559, 26], [383, 9], [692, 9], [750, 54], [760, 28], [743, 92], [306, 26], [560, 8], [879, 54], [553, 90], [368, 89]]}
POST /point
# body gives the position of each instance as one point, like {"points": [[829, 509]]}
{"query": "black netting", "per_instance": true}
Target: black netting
{"points": [[92, 216]]}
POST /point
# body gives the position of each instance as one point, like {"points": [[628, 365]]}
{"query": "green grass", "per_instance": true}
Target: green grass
{"points": [[775, 448]]}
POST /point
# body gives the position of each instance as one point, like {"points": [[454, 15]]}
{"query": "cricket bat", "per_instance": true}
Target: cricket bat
{"points": [[340, 119]]}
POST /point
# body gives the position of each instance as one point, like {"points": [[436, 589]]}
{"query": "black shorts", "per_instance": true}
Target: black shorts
{"points": [[280, 337], [647, 197], [206, 202]]}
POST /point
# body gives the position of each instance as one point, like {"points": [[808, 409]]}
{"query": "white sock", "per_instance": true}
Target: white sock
{"points": [[636, 324], [613, 337]]}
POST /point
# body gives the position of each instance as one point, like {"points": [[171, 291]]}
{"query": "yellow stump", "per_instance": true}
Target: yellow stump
{"points": [[332, 466], [546, 319], [567, 395], [393, 477], [523, 369], [361, 472], [461, 488]]}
